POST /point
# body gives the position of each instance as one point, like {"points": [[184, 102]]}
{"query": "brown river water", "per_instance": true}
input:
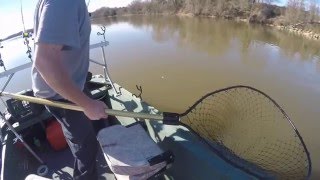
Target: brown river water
{"points": [[177, 60]]}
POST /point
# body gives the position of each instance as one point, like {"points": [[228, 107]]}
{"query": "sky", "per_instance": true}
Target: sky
{"points": [[10, 16]]}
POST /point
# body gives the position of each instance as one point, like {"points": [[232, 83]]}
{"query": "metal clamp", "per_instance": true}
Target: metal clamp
{"points": [[140, 92], [103, 28]]}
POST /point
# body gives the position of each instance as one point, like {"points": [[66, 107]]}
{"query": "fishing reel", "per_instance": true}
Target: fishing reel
{"points": [[22, 110], [26, 34]]}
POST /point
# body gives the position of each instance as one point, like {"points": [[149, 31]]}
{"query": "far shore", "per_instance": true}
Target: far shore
{"points": [[295, 29]]}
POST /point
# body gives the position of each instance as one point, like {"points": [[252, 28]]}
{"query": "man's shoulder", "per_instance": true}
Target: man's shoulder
{"points": [[62, 6], [63, 3]]}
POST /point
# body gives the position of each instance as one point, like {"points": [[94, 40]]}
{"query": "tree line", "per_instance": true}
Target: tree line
{"points": [[261, 11]]}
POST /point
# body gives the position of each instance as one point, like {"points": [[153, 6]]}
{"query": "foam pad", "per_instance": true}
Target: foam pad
{"points": [[131, 153]]}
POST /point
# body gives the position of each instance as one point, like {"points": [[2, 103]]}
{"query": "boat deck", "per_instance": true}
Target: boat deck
{"points": [[193, 159], [60, 163]]}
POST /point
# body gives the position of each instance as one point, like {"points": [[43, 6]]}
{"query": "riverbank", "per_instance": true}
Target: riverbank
{"points": [[307, 30], [291, 19], [295, 29], [307, 33], [299, 29]]}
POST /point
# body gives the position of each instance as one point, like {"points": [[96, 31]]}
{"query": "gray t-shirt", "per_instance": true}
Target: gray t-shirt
{"points": [[67, 23]]}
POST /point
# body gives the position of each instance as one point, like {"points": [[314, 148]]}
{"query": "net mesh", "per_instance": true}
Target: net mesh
{"points": [[251, 129]]}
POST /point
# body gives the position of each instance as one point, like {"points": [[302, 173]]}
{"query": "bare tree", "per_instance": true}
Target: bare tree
{"points": [[136, 6], [295, 11], [313, 11]]}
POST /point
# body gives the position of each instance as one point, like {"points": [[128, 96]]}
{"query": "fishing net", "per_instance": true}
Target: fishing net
{"points": [[251, 131]]}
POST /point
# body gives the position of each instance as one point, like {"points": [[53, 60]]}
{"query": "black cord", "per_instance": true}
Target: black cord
{"points": [[1, 61]]}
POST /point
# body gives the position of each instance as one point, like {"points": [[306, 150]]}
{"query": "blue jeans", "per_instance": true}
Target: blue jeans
{"points": [[81, 138]]}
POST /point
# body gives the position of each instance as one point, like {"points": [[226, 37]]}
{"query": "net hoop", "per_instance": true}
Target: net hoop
{"points": [[223, 155]]}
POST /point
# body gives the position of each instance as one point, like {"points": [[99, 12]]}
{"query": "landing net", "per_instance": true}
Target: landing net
{"points": [[250, 130]]}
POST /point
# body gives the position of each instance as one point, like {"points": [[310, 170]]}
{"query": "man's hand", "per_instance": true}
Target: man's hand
{"points": [[95, 110]]}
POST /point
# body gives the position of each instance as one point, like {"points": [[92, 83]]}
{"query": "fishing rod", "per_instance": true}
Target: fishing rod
{"points": [[25, 34], [43, 168]]}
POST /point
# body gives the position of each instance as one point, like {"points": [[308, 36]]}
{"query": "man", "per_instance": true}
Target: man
{"points": [[62, 35]]}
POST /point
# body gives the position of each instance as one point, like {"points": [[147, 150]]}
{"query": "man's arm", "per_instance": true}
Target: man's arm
{"points": [[48, 63]]}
